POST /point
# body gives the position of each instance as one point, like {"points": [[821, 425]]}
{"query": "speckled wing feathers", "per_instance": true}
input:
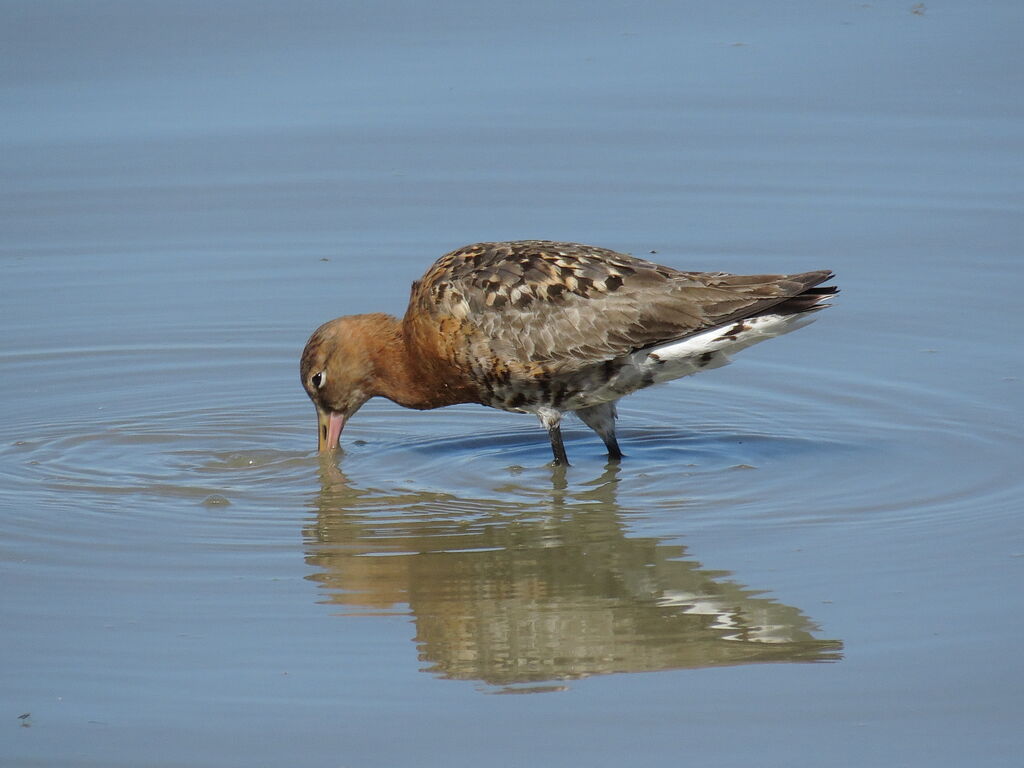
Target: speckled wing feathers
{"points": [[563, 304]]}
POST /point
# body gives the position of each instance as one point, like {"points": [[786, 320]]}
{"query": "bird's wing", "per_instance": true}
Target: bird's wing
{"points": [[540, 302]]}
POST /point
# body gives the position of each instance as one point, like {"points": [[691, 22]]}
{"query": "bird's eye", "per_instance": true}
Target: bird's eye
{"points": [[318, 379]]}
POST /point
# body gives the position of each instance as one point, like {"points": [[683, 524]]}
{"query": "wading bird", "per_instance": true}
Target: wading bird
{"points": [[541, 327]]}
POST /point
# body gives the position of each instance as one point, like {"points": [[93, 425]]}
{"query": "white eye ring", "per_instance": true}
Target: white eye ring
{"points": [[318, 379]]}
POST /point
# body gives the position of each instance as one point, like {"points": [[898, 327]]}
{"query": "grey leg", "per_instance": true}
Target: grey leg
{"points": [[601, 419], [551, 420], [557, 446]]}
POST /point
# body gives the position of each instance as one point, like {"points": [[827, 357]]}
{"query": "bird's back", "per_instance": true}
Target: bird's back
{"points": [[545, 324]]}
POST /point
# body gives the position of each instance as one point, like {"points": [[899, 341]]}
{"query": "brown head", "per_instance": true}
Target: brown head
{"points": [[339, 369]]}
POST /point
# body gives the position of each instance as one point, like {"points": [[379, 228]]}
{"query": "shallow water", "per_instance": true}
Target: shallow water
{"points": [[813, 556]]}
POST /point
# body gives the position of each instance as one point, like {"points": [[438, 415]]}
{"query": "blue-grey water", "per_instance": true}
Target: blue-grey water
{"points": [[813, 557]]}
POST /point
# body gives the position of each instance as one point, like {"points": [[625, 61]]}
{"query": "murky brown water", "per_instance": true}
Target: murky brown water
{"points": [[811, 557]]}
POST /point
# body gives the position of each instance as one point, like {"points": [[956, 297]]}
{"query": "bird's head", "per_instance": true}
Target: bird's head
{"points": [[337, 373]]}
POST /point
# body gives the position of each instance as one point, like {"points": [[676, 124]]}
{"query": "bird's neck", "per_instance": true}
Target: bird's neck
{"points": [[409, 374]]}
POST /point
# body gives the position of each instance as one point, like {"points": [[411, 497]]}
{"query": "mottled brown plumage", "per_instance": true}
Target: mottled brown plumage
{"points": [[545, 327]]}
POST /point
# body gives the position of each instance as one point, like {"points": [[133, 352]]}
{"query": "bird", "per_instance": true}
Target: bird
{"points": [[548, 328]]}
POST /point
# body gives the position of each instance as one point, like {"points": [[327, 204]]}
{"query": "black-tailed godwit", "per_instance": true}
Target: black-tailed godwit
{"points": [[547, 328]]}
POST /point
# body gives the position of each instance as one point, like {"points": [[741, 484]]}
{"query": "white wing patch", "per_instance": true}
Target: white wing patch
{"points": [[712, 349], [675, 359]]}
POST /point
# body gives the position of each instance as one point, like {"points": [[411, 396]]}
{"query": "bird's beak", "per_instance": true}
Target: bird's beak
{"points": [[329, 426]]}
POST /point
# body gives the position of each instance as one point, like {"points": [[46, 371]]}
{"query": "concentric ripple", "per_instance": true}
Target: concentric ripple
{"points": [[766, 441]]}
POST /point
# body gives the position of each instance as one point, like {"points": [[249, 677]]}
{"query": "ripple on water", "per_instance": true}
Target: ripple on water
{"points": [[189, 474], [781, 443]]}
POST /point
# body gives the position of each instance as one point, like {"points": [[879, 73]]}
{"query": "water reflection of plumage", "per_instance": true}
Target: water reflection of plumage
{"points": [[517, 593]]}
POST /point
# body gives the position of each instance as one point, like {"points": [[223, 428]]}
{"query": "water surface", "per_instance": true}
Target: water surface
{"points": [[811, 557]]}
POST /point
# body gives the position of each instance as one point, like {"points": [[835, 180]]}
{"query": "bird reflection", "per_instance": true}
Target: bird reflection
{"points": [[547, 588]]}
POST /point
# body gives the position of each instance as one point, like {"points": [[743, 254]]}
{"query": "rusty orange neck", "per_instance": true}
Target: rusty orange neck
{"points": [[414, 375]]}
